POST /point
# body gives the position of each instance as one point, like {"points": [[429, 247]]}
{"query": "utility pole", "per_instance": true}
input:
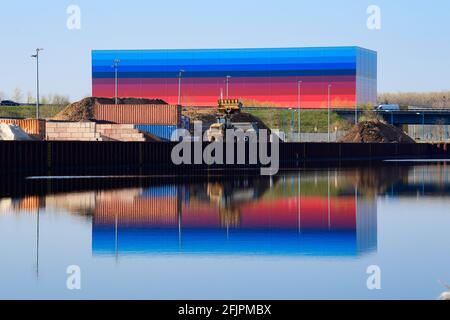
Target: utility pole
{"points": [[180, 75], [37, 80], [228, 86], [423, 126], [299, 92], [116, 78], [329, 107]]}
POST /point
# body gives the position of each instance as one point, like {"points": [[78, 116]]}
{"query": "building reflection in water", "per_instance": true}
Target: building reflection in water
{"points": [[317, 214]]}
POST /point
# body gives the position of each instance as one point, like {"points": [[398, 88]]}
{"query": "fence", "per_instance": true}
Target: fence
{"points": [[314, 137]]}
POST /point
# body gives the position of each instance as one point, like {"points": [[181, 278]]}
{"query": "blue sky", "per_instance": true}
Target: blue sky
{"points": [[413, 43]]}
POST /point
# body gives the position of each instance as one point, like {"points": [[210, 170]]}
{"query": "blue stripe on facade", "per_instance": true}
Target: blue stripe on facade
{"points": [[208, 68], [287, 73]]}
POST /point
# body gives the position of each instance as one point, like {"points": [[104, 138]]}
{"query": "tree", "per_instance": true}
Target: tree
{"points": [[43, 100], [17, 95], [30, 98], [59, 99], [2, 95]]}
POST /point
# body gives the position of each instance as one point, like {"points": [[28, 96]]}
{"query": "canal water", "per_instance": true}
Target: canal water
{"points": [[353, 233]]}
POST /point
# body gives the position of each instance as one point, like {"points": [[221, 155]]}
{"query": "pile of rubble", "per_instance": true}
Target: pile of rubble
{"points": [[376, 131]]}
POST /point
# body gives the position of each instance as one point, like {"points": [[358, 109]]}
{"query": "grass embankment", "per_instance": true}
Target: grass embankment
{"points": [[311, 120], [45, 112]]}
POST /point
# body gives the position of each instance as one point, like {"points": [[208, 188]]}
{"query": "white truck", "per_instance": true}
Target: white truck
{"points": [[217, 131]]}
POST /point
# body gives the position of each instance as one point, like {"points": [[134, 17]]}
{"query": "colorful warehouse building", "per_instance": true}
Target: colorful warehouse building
{"points": [[278, 77]]}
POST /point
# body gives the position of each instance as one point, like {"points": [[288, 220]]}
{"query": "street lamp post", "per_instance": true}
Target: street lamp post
{"points": [[329, 107], [228, 86], [116, 79], [299, 92], [423, 126], [37, 80], [180, 75], [292, 120]]}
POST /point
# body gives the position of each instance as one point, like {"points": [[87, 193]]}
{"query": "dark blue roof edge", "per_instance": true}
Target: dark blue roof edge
{"points": [[243, 48]]}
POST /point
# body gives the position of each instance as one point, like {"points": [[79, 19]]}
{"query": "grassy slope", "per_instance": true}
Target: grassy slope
{"points": [[29, 111], [282, 119]]}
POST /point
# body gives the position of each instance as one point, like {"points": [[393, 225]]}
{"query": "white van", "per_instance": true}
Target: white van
{"points": [[388, 107]]}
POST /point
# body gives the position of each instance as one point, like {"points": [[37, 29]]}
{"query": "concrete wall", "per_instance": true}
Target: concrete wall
{"points": [[90, 131], [120, 132]]}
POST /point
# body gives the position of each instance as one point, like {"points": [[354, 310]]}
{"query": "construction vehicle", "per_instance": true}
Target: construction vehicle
{"points": [[229, 106], [216, 132]]}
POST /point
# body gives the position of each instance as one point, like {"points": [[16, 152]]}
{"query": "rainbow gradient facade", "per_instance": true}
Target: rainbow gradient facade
{"points": [[259, 77]]}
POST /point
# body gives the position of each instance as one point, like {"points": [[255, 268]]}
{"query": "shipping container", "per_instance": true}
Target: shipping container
{"points": [[33, 127], [139, 114], [160, 131], [159, 192]]}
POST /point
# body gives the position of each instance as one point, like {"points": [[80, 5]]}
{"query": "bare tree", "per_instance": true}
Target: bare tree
{"points": [[2, 95], [30, 98], [17, 95], [43, 100], [437, 100], [59, 99]]}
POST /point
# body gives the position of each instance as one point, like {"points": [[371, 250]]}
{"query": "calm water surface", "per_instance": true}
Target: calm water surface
{"points": [[307, 234]]}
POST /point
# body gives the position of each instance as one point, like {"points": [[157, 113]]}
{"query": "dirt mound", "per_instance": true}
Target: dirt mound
{"points": [[205, 115], [83, 110], [209, 116], [376, 131]]}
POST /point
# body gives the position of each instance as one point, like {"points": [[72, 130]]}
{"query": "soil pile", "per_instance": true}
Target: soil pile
{"points": [[205, 115], [375, 131], [84, 110], [209, 116]]}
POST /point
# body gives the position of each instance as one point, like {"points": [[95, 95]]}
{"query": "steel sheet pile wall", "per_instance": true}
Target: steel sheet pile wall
{"points": [[33, 127], [50, 157], [139, 114]]}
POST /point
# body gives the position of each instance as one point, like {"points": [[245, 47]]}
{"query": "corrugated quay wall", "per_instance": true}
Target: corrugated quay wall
{"points": [[67, 157], [139, 114]]}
